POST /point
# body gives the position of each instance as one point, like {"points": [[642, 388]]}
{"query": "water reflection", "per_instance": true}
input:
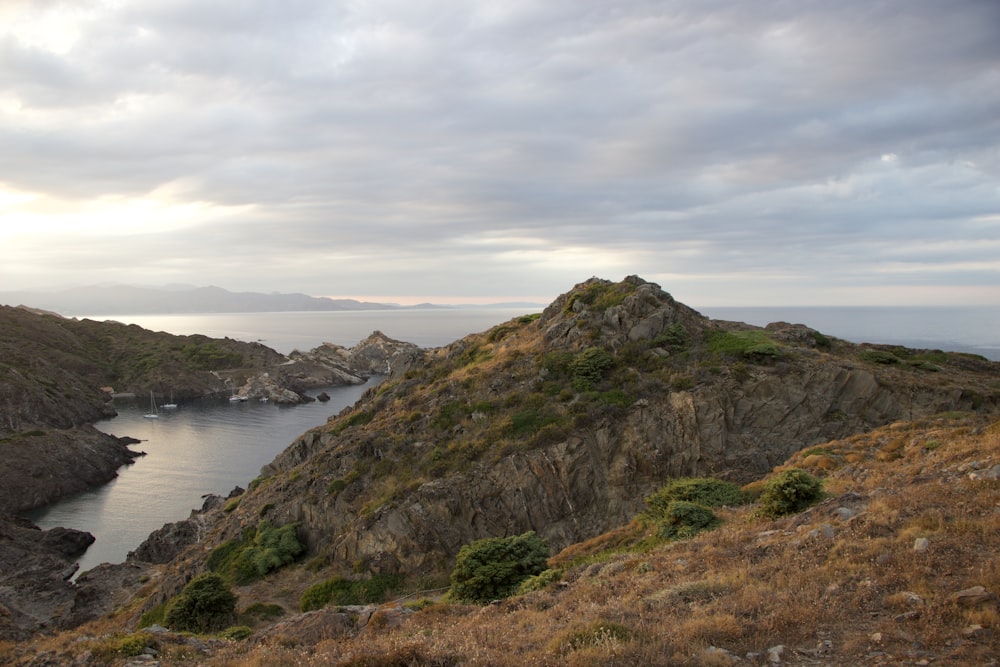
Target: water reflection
{"points": [[206, 446]]}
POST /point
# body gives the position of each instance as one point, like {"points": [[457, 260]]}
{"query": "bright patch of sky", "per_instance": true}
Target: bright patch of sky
{"points": [[736, 153]]}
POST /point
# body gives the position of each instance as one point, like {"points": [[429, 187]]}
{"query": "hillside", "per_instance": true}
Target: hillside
{"points": [[563, 423], [897, 566]]}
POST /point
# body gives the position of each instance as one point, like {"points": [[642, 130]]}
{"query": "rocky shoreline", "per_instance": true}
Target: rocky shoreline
{"points": [[45, 461]]}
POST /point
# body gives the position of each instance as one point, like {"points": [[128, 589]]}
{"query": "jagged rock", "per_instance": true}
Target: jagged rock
{"points": [[67, 542], [34, 568], [165, 543]]}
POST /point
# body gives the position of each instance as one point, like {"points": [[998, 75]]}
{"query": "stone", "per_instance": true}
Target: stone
{"points": [[921, 544], [974, 596], [844, 513], [988, 474], [775, 653]]}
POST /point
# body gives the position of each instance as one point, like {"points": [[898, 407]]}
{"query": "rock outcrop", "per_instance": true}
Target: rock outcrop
{"points": [[35, 566], [564, 422], [43, 465]]}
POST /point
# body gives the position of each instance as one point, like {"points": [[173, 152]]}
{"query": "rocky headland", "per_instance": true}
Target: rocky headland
{"points": [[563, 423]]}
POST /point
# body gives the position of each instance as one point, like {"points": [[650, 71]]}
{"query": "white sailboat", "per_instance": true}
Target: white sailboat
{"points": [[153, 414], [171, 405]]}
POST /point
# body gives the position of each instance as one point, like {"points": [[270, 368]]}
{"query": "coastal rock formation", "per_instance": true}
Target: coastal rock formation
{"points": [[34, 568], [43, 465], [563, 423], [328, 365]]}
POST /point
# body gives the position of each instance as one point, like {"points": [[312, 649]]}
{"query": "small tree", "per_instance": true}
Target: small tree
{"points": [[788, 492], [205, 605], [493, 568]]}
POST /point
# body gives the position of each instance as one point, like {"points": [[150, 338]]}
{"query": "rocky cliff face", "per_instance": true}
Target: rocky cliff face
{"points": [[562, 423]]}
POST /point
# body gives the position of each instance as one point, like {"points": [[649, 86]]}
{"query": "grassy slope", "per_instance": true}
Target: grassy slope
{"points": [[854, 593]]}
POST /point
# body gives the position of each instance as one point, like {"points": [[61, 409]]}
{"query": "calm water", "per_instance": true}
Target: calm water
{"points": [[205, 446], [285, 332], [212, 446]]}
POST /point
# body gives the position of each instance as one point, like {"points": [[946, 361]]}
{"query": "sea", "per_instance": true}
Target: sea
{"points": [[210, 446]]}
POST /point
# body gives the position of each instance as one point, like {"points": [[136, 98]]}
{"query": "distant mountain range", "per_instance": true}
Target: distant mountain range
{"points": [[132, 300]]}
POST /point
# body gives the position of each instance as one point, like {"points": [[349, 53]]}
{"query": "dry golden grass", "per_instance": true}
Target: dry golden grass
{"points": [[831, 590]]}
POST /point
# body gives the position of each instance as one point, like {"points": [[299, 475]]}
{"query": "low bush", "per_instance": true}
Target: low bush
{"points": [[258, 552], [681, 519], [205, 605], [539, 581], [493, 568], [879, 357], [702, 490], [589, 366], [340, 591], [788, 492]]}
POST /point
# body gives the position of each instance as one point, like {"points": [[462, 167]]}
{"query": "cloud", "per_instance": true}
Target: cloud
{"points": [[401, 146]]}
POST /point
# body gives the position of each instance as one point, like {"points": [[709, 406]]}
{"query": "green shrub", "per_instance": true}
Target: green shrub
{"points": [[788, 492], [681, 519], [539, 581], [258, 552], [205, 605], [702, 490], [340, 591], [675, 338], [493, 568], [589, 366], [879, 357]]}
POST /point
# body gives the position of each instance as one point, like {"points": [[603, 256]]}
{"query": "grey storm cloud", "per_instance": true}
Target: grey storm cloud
{"points": [[517, 145]]}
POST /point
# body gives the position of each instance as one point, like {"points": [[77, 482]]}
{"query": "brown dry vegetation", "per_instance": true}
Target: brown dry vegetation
{"points": [[832, 589]]}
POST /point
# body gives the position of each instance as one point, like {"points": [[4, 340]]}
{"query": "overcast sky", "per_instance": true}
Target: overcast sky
{"points": [[736, 153]]}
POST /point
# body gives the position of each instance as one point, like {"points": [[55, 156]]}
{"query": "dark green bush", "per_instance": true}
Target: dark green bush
{"points": [[258, 552], [702, 490], [788, 492], [681, 519], [675, 338], [205, 605], [589, 366], [493, 568], [340, 591]]}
